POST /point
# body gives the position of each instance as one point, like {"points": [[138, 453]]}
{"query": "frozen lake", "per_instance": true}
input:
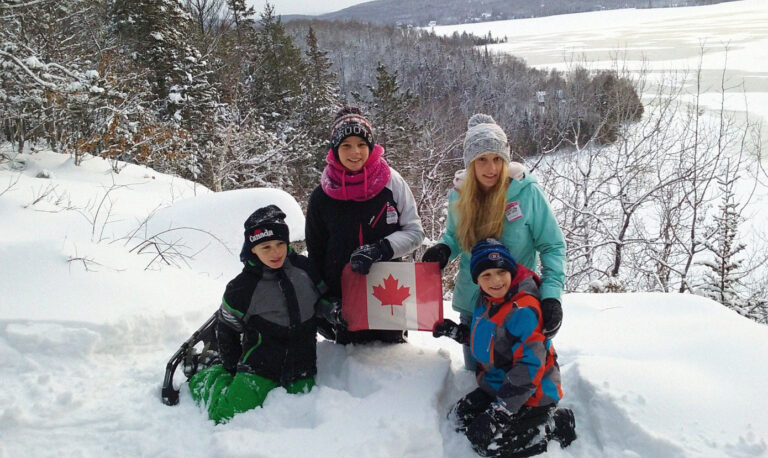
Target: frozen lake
{"points": [[733, 36]]}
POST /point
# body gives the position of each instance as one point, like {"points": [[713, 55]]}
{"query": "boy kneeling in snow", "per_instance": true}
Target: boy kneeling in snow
{"points": [[271, 304], [513, 412]]}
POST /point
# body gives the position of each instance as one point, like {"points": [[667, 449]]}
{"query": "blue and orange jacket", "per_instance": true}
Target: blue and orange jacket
{"points": [[517, 364]]}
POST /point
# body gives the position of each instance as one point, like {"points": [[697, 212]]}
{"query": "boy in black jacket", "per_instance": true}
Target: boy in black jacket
{"points": [[266, 323]]}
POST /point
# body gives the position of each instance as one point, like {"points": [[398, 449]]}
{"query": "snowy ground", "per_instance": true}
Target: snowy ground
{"points": [[732, 36], [87, 325]]}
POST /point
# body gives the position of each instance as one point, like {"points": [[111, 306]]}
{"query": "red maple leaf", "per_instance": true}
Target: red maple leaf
{"points": [[391, 294]]}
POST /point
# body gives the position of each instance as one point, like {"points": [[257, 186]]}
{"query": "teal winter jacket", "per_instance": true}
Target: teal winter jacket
{"points": [[531, 233]]}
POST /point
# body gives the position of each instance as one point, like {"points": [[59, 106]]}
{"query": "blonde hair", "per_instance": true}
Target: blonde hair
{"points": [[481, 213]]}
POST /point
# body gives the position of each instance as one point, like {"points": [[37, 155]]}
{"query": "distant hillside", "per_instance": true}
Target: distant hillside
{"points": [[424, 12]]}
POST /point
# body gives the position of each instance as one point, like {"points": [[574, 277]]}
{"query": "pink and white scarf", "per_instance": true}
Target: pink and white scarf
{"points": [[341, 184]]}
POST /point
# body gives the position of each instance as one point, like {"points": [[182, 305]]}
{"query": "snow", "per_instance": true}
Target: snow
{"points": [[87, 324], [733, 36]]}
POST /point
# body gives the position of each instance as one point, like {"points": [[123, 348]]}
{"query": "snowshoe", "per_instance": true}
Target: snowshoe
{"points": [[192, 357]]}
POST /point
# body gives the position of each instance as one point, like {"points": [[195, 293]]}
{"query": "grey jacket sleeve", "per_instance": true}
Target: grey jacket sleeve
{"points": [[411, 234]]}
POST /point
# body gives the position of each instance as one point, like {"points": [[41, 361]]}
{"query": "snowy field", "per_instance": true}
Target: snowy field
{"points": [[733, 36], [89, 316]]}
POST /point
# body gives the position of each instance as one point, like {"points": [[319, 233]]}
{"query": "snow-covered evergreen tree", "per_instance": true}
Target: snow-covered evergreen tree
{"points": [[725, 268], [49, 80], [319, 99], [392, 113]]}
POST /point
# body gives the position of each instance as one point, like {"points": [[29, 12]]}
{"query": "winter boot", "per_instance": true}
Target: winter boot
{"points": [[565, 427], [468, 408], [527, 436]]}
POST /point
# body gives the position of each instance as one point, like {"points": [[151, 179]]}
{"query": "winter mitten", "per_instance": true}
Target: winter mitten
{"points": [[330, 309], [439, 253], [552, 316], [457, 332], [489, 427], [364, 256]]}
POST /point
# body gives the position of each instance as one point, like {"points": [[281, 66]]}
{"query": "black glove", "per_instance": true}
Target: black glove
{"points": [[457, 332], [552, 316], [364, 256], [330, 309], [439, 253], [489, 427]]}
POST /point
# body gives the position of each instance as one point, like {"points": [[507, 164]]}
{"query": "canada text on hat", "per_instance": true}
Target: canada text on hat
{"points": [[259, 234], [352, 118]]}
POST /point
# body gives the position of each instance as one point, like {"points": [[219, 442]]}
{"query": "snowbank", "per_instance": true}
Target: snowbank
{"points": [[84, 342]]}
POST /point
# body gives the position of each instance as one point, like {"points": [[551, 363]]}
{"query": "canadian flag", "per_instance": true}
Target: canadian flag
{"points": [[394, 295]]}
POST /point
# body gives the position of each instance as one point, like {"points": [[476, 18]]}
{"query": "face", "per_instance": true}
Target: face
{"points": [[495, 282], [488, 170], [272, 253], [353, 152]]}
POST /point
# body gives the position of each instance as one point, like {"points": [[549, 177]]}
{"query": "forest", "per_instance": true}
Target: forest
{"points": [[216, 92]]}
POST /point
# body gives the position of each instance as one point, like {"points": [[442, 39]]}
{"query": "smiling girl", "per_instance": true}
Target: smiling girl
{"points": [[494, 197], [363, 212]]}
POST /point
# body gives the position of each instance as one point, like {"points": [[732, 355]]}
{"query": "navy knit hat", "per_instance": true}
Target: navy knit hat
{"points": [[491, 254], [265, 224], [349, 122]]}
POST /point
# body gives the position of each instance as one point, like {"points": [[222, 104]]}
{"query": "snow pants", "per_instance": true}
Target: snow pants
{"points": [[225, 395]]}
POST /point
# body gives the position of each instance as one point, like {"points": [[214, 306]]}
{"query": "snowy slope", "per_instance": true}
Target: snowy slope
{"points": [[83, 344]]}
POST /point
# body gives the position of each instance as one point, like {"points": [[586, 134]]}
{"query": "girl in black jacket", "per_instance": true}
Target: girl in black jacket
{"points": [[362, 212]]}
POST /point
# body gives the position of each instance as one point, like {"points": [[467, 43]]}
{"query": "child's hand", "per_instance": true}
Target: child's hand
{"points": [[552, 316], [439, 253], [330, 309], [447, 328], [364, 256]]}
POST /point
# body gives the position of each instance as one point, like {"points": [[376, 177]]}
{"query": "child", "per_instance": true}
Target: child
{"points": [[513, 412], [363, 212], [266, 326]]}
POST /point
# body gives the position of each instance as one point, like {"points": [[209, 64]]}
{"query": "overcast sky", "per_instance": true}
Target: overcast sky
{"points": [[305, 6]]}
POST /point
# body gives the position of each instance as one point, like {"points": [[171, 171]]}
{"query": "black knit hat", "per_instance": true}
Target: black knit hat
{"points": [[265, 224], [350, 121], [491, 254]]}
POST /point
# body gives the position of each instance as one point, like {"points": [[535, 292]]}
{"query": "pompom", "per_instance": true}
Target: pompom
{"points": [[345, 110], [480, 118]]}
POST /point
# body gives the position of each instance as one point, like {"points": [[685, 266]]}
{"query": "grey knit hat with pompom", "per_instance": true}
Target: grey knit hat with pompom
{"points": [[484, 136]]}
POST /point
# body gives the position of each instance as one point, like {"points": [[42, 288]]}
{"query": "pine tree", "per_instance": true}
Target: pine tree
{"points": [[275, 80], [155, 33], [392, 111], [242, 17], [725, 269], [319, 99], [185, 96]]}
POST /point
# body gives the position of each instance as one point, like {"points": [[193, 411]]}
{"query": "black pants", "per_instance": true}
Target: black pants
{"points": [[344, 337]]}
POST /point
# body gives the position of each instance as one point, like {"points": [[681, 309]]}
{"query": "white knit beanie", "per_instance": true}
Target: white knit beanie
{"points": [[484, 136]]}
